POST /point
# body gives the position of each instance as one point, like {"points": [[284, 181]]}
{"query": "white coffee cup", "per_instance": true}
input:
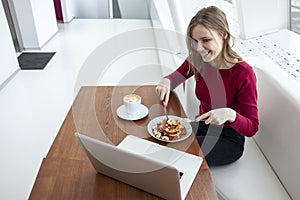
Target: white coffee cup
{"points": [[132, 103]]}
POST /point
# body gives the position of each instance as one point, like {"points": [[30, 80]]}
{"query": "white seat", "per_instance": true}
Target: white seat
{"points": [[251, 177]]}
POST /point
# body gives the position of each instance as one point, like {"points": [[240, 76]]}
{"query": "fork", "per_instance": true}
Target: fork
{"points": [[188, 120], [165, 110]]}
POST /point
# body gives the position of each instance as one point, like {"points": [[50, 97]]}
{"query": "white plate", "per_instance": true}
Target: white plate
{"points": [[157, 120], [143, 112]]}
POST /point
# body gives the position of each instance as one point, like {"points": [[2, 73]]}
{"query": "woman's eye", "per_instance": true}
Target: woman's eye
{"points": [[205, 40]]}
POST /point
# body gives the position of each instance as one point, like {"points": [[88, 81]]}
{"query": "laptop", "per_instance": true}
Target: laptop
{"points": [[160, 170]]}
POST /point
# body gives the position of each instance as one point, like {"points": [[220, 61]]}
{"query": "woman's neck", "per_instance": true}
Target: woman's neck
{"points": [[223, 65]]}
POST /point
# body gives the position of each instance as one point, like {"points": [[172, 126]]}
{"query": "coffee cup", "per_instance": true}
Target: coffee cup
{"points": [[132, 103]]}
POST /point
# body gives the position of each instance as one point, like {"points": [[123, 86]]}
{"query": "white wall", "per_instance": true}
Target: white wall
{"points": [[258, 17], [45, 20], [8, 60], [166, 40], [68, 9], [92, 8], [165, 35], [129, 9], [134, 9], [37, 21]]}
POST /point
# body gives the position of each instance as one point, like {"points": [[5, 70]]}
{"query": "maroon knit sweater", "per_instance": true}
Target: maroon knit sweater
{"points": [[233, 88]]}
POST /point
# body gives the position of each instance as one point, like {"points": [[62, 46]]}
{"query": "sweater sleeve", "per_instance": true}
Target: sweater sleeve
{"points": [[180, 75], [246, 122]]}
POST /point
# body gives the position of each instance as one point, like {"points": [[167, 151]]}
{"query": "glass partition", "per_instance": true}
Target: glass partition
{"points": [[295, 16]]}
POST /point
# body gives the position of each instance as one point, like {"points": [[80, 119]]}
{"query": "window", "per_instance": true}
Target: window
{"points": [[295, 16]]}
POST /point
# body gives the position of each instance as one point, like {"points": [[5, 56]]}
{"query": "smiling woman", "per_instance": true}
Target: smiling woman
{"points": [[225, 86], [209, 29]]}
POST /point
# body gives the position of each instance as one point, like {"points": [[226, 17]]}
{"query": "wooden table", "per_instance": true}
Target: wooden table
{"points": [[66, 172]]}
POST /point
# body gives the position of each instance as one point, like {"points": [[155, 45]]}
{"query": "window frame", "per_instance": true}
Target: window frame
{"points": [[290, 24]]}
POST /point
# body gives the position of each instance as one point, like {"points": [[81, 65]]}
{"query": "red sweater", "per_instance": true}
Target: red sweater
{"points": [[233, 88]]}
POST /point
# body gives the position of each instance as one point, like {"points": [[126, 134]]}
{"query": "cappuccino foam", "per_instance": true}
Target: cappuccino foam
{"points": [[132, 98]]}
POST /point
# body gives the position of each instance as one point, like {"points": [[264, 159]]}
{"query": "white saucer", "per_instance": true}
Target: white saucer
{"points": [[143, 112]]}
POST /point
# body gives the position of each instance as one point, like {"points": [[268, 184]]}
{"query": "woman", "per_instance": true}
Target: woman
{"points": [[225, 86]]}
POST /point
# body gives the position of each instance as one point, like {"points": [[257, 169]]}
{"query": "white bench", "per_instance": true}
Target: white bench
{"points": [[270, 166]]}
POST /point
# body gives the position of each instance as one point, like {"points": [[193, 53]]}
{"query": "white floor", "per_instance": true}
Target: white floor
{"points": [[34, 103]]}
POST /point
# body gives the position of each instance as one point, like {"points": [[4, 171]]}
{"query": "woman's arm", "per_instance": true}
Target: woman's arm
{"points": [[246, 122], [171, 81], [244, 117], [180, 75]]}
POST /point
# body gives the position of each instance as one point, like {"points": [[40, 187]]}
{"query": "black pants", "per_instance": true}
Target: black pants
{"points": [[220, 146]]}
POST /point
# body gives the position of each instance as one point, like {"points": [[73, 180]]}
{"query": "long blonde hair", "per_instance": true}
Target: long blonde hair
{"points": [[214, 19]]}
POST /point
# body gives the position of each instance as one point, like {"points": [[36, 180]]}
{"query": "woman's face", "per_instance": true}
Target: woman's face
{"points": [[208, 43]]}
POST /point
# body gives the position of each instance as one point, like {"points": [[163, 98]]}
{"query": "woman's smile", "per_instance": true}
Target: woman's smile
{"points": [[206, 55]]}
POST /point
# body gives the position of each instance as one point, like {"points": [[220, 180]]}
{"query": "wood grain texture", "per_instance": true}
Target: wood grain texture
{"points": [[66, 172]]}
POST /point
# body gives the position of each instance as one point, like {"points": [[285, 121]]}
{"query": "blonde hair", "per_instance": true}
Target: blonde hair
{"points": [[214, 19]]}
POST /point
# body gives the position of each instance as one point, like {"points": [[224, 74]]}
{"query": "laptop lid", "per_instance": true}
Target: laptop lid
{"points": [[134, 169], [187, 164]]}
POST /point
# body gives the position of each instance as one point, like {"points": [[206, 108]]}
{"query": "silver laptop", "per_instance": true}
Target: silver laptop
{"points": [[160, 170]]}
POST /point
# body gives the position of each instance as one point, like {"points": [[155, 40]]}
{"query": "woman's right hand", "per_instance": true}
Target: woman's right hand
{"points": [[163, 90]]}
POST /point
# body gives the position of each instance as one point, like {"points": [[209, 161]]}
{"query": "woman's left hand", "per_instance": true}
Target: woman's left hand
{"points": [[218, 116]]}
